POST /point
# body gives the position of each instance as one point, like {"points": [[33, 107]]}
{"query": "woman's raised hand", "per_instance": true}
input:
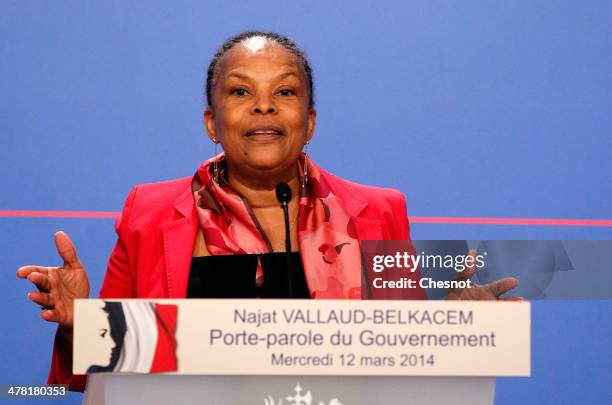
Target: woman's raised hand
{"points": [[58, 287], [487, 292]]}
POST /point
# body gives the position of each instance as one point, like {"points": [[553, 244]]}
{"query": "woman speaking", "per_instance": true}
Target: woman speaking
{"points": [[220, 232]]}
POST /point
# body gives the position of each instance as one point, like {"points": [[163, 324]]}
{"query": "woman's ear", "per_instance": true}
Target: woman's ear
{"points": [[312, 121], [209, 123]]}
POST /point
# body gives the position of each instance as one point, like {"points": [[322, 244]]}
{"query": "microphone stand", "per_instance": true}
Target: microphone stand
{"points": [[283, 195]]}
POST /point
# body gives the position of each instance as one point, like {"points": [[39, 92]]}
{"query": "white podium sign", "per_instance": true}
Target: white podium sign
{"points": [[303, 337]]}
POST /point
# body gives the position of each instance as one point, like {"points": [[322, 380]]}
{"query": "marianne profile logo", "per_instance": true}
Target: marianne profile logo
{"points": [[134, 336], [299, 399]]}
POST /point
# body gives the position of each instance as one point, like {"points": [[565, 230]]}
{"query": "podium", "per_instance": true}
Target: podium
{"points": [[298, 352], [111, 389]]}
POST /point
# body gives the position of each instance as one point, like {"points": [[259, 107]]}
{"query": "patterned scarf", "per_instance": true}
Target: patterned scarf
{"points": [[327, 236]]}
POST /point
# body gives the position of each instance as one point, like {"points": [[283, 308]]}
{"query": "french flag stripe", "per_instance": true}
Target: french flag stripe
{"points": [[164, 358]]}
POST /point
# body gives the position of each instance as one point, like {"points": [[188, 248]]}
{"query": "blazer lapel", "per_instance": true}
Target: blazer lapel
{"points": [[179, 237], [367, 228]]}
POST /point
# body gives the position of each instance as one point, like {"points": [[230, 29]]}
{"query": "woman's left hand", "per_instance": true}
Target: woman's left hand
{"points": [[487, 292]]}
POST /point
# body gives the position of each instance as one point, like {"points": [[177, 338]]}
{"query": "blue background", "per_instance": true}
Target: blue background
{"points": [[476, 109]]}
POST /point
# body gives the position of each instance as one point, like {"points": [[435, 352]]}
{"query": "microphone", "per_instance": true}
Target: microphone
{"points": [[283, 195]]}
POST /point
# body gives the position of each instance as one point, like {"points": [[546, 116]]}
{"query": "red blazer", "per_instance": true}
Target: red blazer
{"points": [[157, 232]]}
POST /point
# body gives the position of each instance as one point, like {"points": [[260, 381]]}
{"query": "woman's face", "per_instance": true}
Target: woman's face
{"points": [[260, 112], [100, 334]]}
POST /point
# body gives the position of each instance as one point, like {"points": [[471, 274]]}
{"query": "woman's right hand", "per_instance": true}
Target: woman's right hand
{"points": [[58, 287]]}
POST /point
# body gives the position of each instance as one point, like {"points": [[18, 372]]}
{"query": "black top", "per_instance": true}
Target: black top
{"points": [[233, 276]]}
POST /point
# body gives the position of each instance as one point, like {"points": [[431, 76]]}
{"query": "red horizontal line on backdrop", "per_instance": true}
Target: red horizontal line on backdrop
{"points": [[59, 214], [416, 220], [511, 221]]}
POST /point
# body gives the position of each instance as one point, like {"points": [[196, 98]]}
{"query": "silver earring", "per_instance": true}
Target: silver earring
{"points": [[215, 163], [305, 174]]}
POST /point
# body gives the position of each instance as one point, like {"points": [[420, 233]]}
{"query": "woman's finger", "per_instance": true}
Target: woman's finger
{"points": [[515, 298], [469, 271], [66, 250], [42, 299], [56, 314], [41, 281], [502, 286], [49, 315], [25, 271]]}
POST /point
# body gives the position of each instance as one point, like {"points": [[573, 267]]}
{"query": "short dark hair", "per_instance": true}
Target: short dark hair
{"points": [[279, 39]]}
